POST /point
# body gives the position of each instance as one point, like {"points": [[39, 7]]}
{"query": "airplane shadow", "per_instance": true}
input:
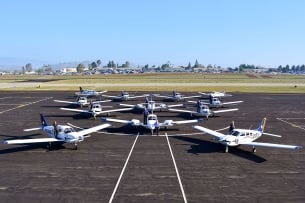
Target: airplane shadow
{"points": [[203, 146], [34, 146]]}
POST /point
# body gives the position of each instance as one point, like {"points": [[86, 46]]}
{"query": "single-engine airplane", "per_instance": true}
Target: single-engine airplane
{"points": [[237, 137], [216, 94], [88, 93], [176, 96], [151, 105], [215, 102], [124, 96], [96, 109], [58, 133], [150, 122], [81, 101], [202, 111]]}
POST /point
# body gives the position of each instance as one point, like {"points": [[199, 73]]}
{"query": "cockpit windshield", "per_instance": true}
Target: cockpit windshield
{"points": [[152, 118], [235, 133], [68, 130]]}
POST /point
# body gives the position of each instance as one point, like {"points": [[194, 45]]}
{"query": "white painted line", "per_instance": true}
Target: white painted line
{"points": [[180, 183], [23, 105], [118, 182], [289, 123]]}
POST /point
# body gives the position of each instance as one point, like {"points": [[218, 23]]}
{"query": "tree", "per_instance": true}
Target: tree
{"points": [[98, 62], [28, 67], [127, 64], [196, 64], [80, 68], [23, 70], [93, 65], [189, 66]]}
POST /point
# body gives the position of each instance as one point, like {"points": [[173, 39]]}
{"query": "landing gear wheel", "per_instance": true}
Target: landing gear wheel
{"points": [[227, 149], [254, 150]]}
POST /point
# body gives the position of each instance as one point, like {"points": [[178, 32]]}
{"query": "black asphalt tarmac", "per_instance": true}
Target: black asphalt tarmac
{"points": [[117, 166]]}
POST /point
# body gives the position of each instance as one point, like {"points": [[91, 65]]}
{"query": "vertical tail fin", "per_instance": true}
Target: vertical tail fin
{"points": [[43, 120], [262, 124]]}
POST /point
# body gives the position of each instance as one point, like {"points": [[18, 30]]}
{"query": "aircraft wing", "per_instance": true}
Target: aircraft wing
{"points": [[234, 102], [164, 96], [138, 96], [188, 97], [93, 129], [262, 144], [128, 105], [66, 102], [115, 110], [225, 110], [209, 131], [187, 121], [193, 102], [101, 92], [111, 96], [75, 110], [175, 105], [97, 102], [28, 141], [182, 110], [116, 120]]}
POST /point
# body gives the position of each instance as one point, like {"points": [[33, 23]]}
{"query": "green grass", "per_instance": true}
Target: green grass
{"points": [[187, 82]]}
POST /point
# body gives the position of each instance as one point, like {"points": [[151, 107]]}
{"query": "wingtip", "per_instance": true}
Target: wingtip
{"points": [[104, 119], [298, 147]]}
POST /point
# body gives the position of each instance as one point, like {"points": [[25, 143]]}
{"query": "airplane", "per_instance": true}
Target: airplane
{"points": [[96, 109], [176, 96], [237, 137], [216, 94], [150, 122], [88, 93], [215, 102], [202, 111], [125, 96], [81, 101], [58, 133], [151, 105]]}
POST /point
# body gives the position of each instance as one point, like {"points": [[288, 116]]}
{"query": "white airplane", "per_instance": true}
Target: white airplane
{"points": [[81, 101], [203, 111], [216, 94], [150, 123], [58, 133], [238, 137], [151, 105], [176, 96], [215, 102], [125, 96], [96, 109], [88, 93]]}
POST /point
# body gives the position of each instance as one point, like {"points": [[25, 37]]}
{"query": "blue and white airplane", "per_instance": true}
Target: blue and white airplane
{"points": [[202, 111], [96, 109], [88, 93], [237, 137], [58, 133], [151, 122], [176, 96], [81, 101], [124, 96], [151, 105]]}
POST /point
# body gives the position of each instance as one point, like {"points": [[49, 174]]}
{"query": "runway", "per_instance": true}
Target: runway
{"points": [[124, 164]]}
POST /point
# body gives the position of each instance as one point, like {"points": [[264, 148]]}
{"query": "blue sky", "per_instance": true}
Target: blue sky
{"points": [[217, 32]]}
